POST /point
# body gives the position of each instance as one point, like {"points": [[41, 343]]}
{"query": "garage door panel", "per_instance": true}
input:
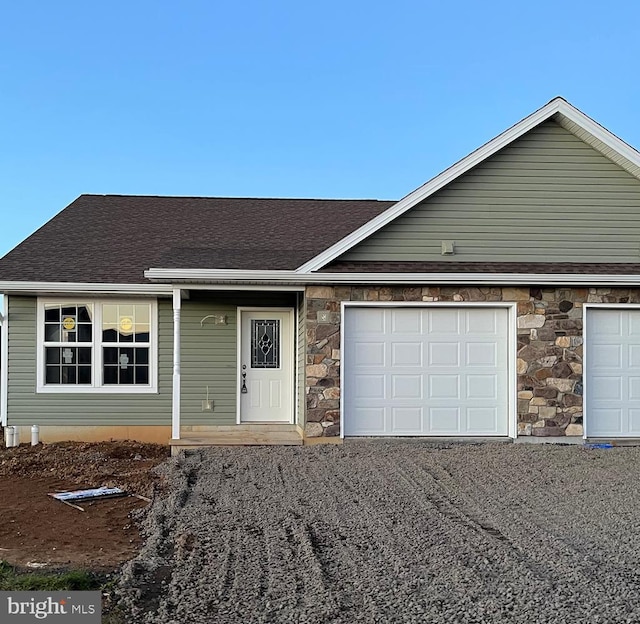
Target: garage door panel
{"points": [[605, 420], [482, 387], [443, 321], [605, 356], [634, 422], [450, 378], [481, 354], [634, 388], [606, 388], [482, 420], [407, 386], [406, 420], [406, 354], [444, 386], [369, 353], [369, 386], [444, 420], [444, 354], [634, 355], [481, 322], [409, 322], [371, 419]]}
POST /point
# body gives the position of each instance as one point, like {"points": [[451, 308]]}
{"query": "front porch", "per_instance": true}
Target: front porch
{"points": [[238, 368]]}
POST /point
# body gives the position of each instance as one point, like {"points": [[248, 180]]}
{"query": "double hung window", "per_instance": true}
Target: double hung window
{"points": [[94, 345]]}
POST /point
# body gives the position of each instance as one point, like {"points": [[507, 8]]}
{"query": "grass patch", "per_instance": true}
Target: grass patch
{"points": [[12, 579]]}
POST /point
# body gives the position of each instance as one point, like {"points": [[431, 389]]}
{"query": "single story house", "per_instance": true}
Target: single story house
{"points": [[499, 299]]}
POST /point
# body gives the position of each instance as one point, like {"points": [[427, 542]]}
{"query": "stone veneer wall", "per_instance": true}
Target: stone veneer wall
{"points": [[549, 358]]}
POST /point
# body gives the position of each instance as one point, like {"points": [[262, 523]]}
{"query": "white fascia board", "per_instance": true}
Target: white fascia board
{"points": [[294, 278], [599, 132], [557, 105], [75, 288]]}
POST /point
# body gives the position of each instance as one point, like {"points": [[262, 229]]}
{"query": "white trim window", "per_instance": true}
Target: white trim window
{"points": [[105, 346]]}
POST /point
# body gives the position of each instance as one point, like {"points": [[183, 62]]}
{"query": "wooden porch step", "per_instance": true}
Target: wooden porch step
{"points": [[237, 438]]}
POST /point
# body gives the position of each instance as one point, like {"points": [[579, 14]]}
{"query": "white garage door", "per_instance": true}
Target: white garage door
{"points": [[613, 373], [414, 371]]}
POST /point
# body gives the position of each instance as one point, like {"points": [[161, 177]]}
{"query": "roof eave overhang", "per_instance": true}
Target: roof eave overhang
{"points": [[294, 278], [63, 288]]}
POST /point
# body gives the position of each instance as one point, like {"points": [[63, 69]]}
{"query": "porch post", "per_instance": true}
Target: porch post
{"points": [[175, 407], [4, 359]]}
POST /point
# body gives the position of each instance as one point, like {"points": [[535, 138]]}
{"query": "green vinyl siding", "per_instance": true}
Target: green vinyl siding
{"points": [[209, 352], [208, 359], [26, 407], [546, 197]]}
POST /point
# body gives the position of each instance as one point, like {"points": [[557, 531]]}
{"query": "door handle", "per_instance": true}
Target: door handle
{"points": [[243, 388]]}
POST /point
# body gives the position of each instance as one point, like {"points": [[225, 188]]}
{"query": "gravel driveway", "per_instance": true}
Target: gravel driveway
{"points": [[393, 531]]}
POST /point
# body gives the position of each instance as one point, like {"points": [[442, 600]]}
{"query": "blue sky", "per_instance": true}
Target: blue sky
{"points": [[283, 98]]}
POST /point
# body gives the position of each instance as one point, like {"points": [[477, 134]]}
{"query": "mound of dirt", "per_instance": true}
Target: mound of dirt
{"points": [[37, 530]]}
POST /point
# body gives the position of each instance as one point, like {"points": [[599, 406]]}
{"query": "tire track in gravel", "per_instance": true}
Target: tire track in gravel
{"points": [[376, 533]]}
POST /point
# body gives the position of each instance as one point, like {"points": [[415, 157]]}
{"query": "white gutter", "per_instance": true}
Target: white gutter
{"points": [[84, 287], [292, 277], [4, 360]]}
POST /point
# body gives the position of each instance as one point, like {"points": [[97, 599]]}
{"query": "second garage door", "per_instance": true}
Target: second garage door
{"points": [[426, 371], [613, 373]]}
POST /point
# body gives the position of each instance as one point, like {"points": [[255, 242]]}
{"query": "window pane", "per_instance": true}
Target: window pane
{"points": [[52, 314], [68, 374], [125, 336], [69, 311], [110, 314], [142, 333], [68, 336], [52, 355], [126, 375], [110, 355], [142, 356], [84, 314], [125, 310], [265, 343], [142, 375], [110, 334], [52, 375], [142, 313], [110, 375], [84, 374], [69, 355], [84, 333], [84, 355], [52, 333], [125, 358]]}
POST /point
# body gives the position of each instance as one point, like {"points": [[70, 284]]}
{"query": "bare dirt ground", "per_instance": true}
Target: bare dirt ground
{"points": [[392, 531], [36, 529]]}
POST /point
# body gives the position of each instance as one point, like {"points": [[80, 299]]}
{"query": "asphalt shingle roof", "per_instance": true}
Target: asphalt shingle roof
{"points": [[115, 238]]}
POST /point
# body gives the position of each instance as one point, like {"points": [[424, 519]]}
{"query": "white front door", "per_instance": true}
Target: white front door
{"points": [[266, 366]]}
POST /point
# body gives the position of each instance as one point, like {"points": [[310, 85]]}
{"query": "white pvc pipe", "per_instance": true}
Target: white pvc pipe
{"points": [[8, 436], [16, 436], [35, 435]]}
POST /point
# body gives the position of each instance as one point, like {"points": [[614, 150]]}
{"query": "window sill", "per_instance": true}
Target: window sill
{"points": [[92, 390]]}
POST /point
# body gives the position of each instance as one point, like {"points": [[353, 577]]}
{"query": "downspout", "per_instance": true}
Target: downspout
{"points": [[175, 406], [4, 359]]}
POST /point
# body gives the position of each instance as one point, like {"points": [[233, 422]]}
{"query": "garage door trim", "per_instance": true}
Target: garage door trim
{"points": [[586, 307], [511, 308]]}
